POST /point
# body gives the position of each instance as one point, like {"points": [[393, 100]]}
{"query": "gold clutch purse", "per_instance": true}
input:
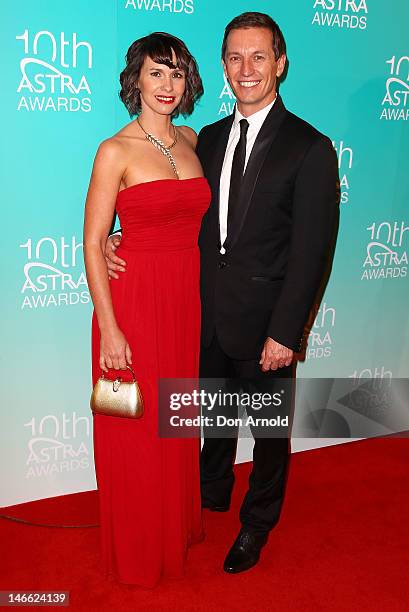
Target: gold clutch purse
{"points": [[117, 397]]}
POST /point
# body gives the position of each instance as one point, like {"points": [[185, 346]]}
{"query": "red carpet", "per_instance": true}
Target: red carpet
{"points": [[342, 544]]}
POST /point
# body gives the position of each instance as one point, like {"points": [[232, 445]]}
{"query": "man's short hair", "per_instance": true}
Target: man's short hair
{"points": [[256, 20]]}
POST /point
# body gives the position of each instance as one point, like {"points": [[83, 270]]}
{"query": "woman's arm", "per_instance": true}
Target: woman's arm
{"points": [[99, 211]]}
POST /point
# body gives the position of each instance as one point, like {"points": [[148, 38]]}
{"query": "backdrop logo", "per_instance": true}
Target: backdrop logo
{"points": [[226, 107], [386, 254], [377, 372], [53, 72], [53, 273], [340, 14], [395, 102], [57, 444], [162, 6], [345, 161], [320, 327]]}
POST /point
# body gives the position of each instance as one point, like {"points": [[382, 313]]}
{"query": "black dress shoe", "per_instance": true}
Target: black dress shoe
{"points": [[245, 552], [214, 508]]}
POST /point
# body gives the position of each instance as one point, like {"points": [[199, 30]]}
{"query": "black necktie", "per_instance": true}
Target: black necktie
{"points": [[237, 170]]}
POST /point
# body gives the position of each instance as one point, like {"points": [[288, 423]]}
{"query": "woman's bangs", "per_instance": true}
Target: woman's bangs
{"points": [[163, 52]]}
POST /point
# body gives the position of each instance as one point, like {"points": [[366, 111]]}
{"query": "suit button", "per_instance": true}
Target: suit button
{"points": [[222, 264]]}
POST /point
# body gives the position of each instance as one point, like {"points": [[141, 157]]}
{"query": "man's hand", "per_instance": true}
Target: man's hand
{"points": [[275, 355], [114, 263]]}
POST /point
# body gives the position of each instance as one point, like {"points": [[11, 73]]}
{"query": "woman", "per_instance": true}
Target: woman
{"points": [[149, 174]]}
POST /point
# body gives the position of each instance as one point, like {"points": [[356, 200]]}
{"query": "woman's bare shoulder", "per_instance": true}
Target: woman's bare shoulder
{"points": [[189, 134], [110, 148], [111, 156], [128, 135], [118, 146]]}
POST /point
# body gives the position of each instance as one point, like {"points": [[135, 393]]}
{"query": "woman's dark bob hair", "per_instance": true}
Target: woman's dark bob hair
{"points": [[161, 48]]}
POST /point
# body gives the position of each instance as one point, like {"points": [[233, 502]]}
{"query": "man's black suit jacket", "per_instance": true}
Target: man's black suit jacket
{"points": [[278, 250]]}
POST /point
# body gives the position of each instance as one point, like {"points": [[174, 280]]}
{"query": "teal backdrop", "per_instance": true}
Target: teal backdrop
{"points": [[348, 75]]}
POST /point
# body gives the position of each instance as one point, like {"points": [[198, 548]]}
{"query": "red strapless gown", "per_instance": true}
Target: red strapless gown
{"points": [[149, 487]]}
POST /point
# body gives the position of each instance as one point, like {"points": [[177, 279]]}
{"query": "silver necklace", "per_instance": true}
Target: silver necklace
{"points": [[161, 146]]}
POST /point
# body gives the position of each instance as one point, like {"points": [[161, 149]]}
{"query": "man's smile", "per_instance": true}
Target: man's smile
{"points": [[249, 83]]}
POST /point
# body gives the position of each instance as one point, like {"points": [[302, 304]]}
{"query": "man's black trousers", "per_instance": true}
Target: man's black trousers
{"points": [[262, 503]]}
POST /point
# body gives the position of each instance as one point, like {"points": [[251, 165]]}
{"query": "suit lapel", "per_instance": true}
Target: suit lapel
{"points": [[262, 144]]}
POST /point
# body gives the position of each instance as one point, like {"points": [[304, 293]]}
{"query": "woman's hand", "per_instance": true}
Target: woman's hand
{"points": [[115, 352]]}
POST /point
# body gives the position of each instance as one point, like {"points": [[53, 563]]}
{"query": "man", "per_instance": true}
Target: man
{"points": [[265, 243]]}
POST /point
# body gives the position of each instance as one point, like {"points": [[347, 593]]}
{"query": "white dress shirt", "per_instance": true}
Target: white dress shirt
{"points": [[255, 122]]}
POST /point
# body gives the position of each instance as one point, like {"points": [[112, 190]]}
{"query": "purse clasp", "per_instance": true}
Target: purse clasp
{"points": [[116, 384]]}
